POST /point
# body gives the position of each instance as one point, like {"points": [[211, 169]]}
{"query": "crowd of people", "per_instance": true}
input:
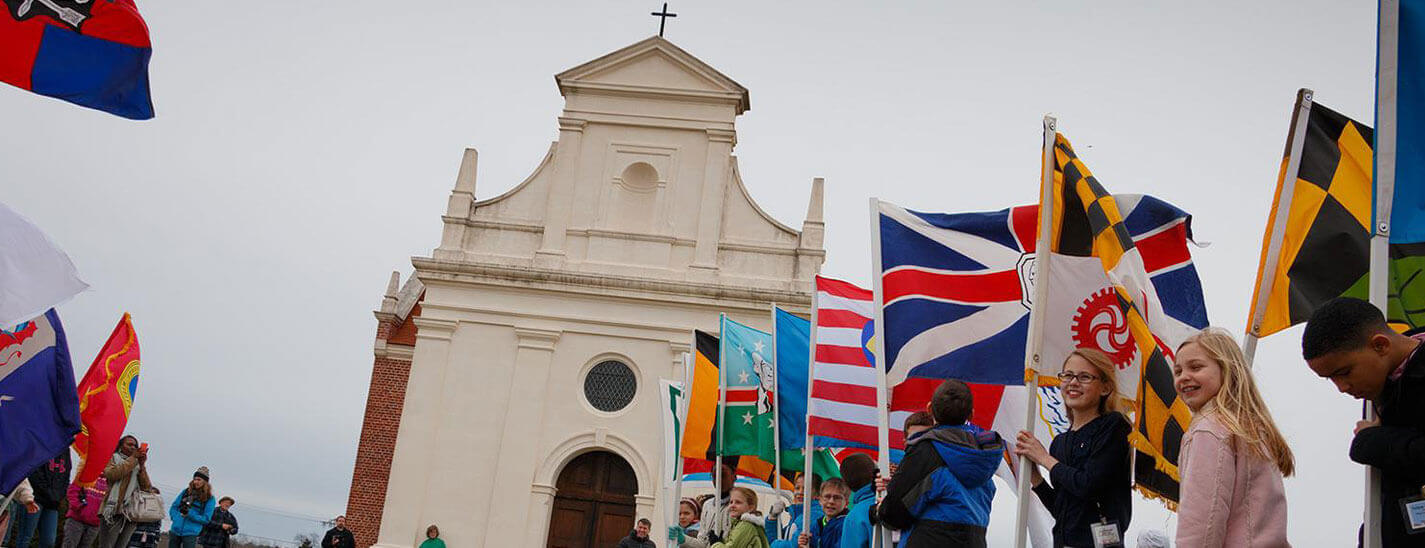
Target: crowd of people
{"points": [[1232, 461], [120, 509]]}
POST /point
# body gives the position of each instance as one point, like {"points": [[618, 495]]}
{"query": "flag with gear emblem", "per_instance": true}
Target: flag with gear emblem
{"points": [[1089, 222]]}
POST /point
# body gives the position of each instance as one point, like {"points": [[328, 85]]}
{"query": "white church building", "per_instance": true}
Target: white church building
{"points": [[514, 392]]}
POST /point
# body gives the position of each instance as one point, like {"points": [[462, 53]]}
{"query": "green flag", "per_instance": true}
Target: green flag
{"points": [[747, 385]]}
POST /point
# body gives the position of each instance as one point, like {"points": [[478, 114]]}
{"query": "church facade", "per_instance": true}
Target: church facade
{"points": [[514, 391]]}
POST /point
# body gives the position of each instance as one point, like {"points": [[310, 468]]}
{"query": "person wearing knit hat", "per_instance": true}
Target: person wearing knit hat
{"points": [[191, 510], [688, 511]]}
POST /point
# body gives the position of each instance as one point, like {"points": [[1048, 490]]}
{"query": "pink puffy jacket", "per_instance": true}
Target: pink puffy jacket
{"points": [[87, 510]]}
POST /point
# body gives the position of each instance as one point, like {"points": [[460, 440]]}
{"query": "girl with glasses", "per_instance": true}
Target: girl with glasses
{"points": [[1089, 490]]}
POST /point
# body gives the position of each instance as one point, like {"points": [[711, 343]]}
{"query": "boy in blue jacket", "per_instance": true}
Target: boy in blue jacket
{"points": [[941, 493], [785, 536], [859, 471], [826, 532]]}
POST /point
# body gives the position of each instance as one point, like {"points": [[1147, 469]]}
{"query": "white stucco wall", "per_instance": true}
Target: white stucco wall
{"points": [[529, 289]]}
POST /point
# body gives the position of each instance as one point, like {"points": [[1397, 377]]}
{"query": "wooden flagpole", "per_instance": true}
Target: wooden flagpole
{"points": [[1034, 344]]}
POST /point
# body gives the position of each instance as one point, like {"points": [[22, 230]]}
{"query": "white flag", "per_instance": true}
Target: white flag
{"points": [[672, 396], [35, 275]]}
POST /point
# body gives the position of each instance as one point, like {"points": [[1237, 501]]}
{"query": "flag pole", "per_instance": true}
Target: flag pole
{"points": [[1035, 341], [1276, 231], [683, 429], [1387, 58], [883, 431], [776, 407], [670, 486], [721, 416], [809, 448]]}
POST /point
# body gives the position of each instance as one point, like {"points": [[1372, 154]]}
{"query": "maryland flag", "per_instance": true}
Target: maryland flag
{"points": [[700, 430], [1317, 243], [1087, 221], [106, 395]]}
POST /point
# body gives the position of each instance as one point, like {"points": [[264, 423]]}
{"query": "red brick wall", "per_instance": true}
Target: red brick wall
{"points": [[384, 401]]}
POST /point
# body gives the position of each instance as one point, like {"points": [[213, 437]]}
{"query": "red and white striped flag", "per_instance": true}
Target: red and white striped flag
{"points": [[841, 410]]}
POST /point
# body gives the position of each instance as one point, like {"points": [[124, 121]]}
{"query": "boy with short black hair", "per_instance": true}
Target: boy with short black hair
{"points": [[943, 487], [1348, 342], [826, 532]]}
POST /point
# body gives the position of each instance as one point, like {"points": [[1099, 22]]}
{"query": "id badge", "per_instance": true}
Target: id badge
{"points": [[1105, 535], [1414, 510]]}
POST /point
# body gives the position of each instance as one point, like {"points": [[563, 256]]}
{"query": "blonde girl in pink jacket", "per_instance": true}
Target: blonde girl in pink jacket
{"points": [[1233, 457]]}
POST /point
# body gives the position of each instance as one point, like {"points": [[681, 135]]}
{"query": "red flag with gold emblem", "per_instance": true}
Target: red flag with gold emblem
{"points": [[106, 395]]}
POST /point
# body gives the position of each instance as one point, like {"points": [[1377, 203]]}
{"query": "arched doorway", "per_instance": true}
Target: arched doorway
{"points": [[593, 502]]}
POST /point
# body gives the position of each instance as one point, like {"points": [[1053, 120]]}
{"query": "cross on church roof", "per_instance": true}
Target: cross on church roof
{"points": [[663, 17]]}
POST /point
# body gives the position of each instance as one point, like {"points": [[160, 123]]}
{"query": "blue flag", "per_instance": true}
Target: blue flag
{"points": [[793, 352], [1408, 203], [1400, 113], [39, 405]]}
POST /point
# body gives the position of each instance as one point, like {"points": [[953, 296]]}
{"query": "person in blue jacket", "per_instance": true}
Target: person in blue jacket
{"points": [[785, 536], [941, 493], [826, 532], [191, 510], [859, 471]]}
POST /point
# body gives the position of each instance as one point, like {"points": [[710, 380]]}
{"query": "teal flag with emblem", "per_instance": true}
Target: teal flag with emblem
{"points": [[749, 385]]}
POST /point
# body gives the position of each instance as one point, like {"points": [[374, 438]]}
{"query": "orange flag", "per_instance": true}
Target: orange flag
{"points": [[105, 397]]}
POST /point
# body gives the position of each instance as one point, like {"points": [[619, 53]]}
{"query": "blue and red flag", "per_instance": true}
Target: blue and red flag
{"points": [[93, 53], [956, 292], [39, 408]]}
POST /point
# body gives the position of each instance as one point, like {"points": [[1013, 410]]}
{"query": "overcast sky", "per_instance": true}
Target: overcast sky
{"points": [[304, 150]]}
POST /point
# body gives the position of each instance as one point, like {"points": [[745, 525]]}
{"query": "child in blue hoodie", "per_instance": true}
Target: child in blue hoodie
{"points": [[859, 471], [826, 532], [785, 536], [941, 492]]}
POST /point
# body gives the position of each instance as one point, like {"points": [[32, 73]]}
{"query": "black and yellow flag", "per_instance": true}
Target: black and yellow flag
{"points": [[1317, 243], [701, 424], [1087, 222]]}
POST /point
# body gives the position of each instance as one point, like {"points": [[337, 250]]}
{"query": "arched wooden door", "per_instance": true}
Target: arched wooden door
{"points": [[593, 502]]}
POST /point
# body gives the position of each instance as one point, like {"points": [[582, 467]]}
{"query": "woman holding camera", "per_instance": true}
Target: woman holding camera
{"points": [[191, 510]]}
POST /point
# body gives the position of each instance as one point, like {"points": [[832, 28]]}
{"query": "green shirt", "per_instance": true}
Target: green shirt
{"points": [[433, 543], [743, 535]]}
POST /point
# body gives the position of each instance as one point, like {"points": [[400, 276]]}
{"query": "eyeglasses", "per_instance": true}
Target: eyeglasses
{"points": [[1083, 378]]}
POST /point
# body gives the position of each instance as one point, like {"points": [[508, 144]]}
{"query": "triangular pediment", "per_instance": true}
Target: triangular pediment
{"points": [[654, 64]]}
